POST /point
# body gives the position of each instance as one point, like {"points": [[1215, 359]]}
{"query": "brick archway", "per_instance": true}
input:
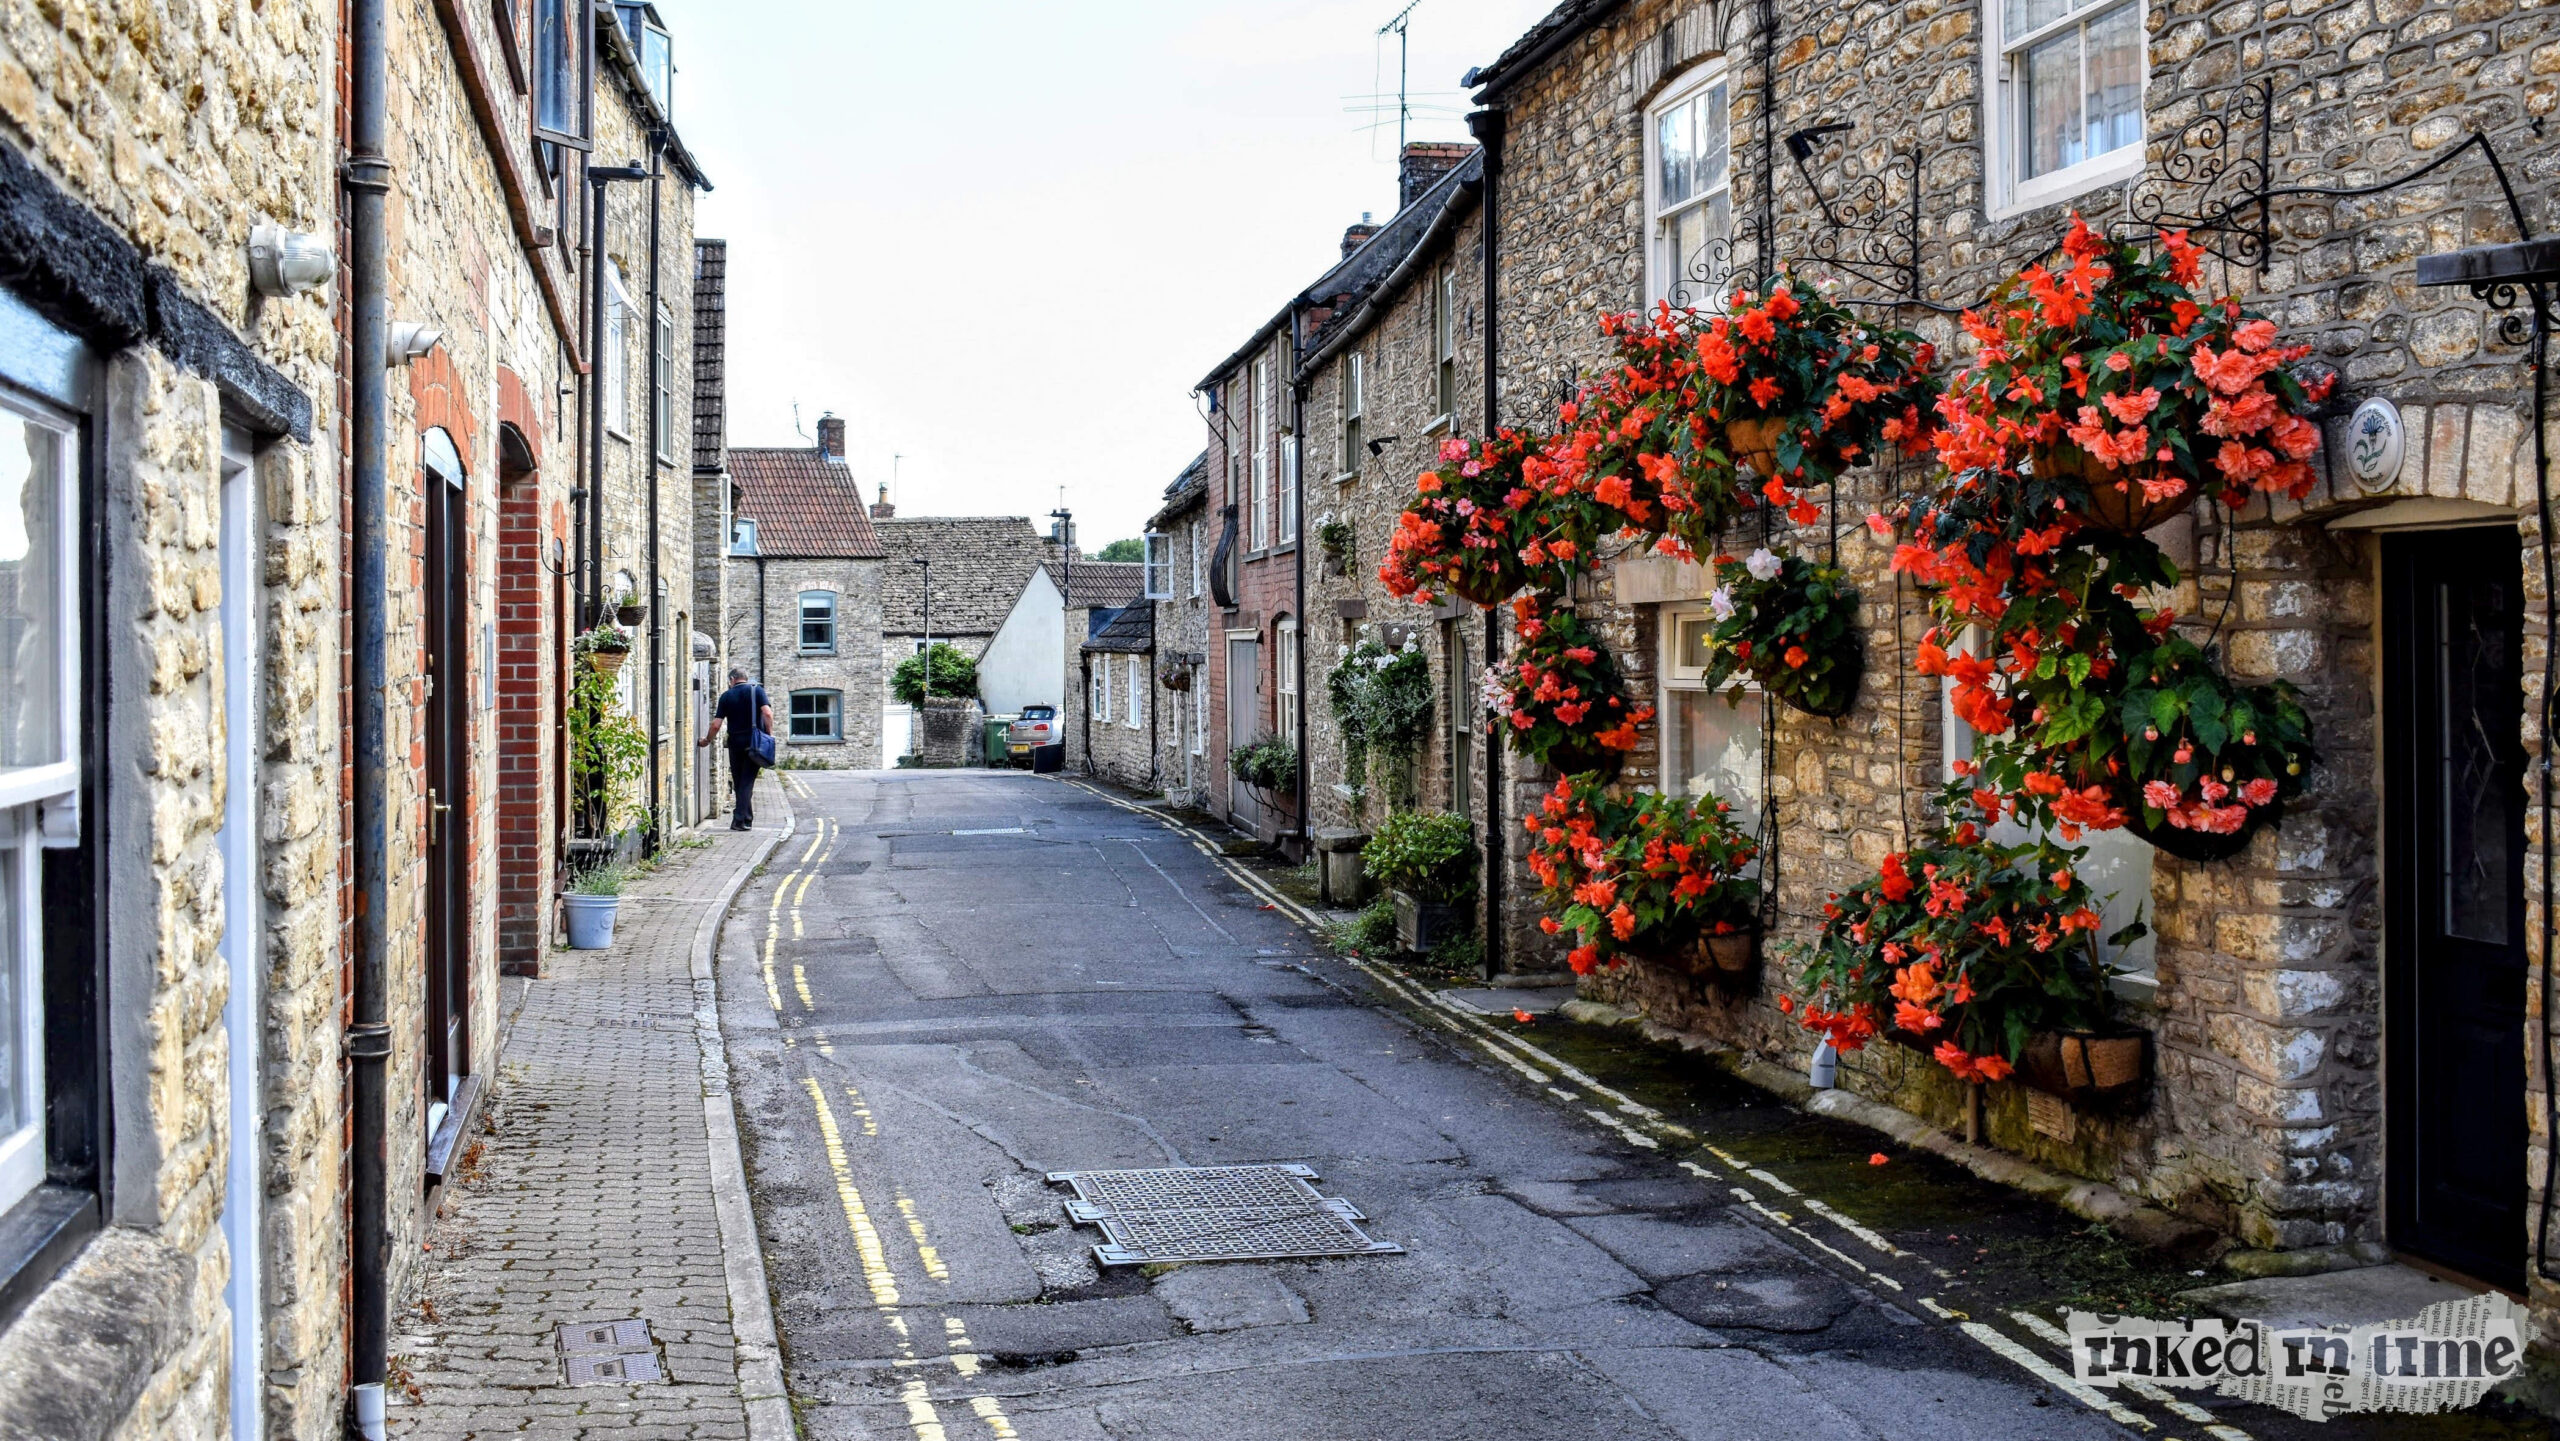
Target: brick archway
{"points": [[529, 660]]}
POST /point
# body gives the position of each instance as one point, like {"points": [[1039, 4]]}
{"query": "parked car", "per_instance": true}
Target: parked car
{"points": [[1036, 726]]}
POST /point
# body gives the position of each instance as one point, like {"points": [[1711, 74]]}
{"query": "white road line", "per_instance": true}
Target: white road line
{"points": [[2054, 1336], [2034, 1365]]}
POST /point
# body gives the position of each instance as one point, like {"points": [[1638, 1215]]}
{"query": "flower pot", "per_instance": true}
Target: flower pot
{"points": [[2201, 846], [1593, 758], [1422, 925], [1754, 442], [630, 615], [2116, 498], [591, 921], [607, 661], [1733, 953]]}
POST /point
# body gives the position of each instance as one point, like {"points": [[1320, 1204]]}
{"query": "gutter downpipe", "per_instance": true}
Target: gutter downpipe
{"points": [[650, 463], [368, 1037], [1487, 126], [591, 596], [1297, 459]]}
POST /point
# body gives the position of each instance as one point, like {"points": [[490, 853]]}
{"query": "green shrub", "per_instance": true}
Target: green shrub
{"points": [[1122, 551], [955, 675], [1370, 933], [1428, 855], [603, 878], [1269, 764], [1382, 705]]}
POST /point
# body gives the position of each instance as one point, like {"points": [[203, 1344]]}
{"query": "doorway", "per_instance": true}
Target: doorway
{"points": [[1244, 722], [445, 640], [2454, 948]]}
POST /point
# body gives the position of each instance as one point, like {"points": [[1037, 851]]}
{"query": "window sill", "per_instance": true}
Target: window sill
{"points": [[816, 740], [2047, 192], [1441, 425], [1346, 477], [79, 1356], [829, 655], [617, 435]]}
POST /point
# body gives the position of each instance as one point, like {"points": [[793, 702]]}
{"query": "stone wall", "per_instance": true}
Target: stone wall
{"points": [[1114, 749], [776, 662], [1182, 756], [2266, 1117]]}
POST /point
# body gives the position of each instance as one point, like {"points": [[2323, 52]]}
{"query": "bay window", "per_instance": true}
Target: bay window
{"points": [[1689, 190], [2066, 97]]}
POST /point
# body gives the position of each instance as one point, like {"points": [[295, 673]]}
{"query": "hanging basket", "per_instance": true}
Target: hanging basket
{"points": [[607, 661], [630, 615], [1754, 442], [2202, 846], [1590, 759], [1852, 670], [2116, 498]]}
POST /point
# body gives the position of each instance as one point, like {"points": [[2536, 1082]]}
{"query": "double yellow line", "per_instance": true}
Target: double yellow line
{"points": [[914, 1393]]}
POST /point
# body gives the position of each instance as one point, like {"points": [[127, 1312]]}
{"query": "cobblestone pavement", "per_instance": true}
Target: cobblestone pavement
{"points": [[590, 1194]]}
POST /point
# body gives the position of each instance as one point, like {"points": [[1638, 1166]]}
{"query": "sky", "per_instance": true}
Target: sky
{"points": [[1005, 248]]}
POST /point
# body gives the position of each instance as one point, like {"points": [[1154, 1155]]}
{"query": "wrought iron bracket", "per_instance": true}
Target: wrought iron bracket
{"points": [[1865, 235]]}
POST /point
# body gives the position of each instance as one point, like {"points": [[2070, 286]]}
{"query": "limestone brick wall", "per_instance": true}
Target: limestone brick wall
{"points": [[1112, 748], [2266, 1116], [183, 131], [1183, 628]]}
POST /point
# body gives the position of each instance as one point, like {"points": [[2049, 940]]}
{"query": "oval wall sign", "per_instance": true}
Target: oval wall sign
{"points": [[2375, 444]]}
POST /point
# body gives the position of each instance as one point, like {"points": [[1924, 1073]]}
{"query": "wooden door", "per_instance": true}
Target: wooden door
{"points": [[1244, 722], [2454, 966], [445, 624]]}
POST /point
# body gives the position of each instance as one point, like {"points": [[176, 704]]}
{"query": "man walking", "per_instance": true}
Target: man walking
{"points": [[746, 711]]}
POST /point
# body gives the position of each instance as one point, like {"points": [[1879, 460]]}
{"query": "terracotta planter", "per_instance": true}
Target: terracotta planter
{"points": [[607, 661], [1754, 442], [2116, 499], [2202, 846]]}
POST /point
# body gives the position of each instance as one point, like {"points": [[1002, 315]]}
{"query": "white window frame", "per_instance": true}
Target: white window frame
{"points": [[1101, 706], [1676, 675], [1137, 702], [835, 717], [1196, 558], [1353, 402], [742, 535], [830, 647], [36, 800], [1158, 572], [1200, 710], [1284, 651], [662, 385], [1260, 500], [2003, 139], [615, 393], [1444, 346], [1663, 273], [1288, 489]]}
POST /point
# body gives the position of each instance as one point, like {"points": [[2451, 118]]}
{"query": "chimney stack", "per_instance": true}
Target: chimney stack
{"points": [[882, 509], [1358, 235], [830, 437], [1425, 161]]}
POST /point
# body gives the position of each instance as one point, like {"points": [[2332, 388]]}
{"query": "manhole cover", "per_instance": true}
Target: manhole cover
{"points": [[1215, 1213], [603, 1353]]}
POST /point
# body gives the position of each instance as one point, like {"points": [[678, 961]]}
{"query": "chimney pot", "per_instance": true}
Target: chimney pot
{"points": [[882, 509], [830, 436]]}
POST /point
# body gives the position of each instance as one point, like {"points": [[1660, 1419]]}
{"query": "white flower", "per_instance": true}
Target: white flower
{"points": [[1412, 644], [1763, 564], [1720, 600], [1341, 651]]}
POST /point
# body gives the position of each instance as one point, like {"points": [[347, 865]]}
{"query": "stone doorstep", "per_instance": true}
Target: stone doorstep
{"points": [[2388, 1292], [1536, 1000]]}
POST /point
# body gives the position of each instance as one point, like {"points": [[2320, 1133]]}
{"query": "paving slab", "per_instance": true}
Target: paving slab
{"points": [[1536, 1000], [2389, 1292]]}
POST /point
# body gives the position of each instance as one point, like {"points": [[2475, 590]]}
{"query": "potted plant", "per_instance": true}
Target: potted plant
{"points": [[1559, 697], [1427, 862], [604, 648], [1335, 537], [1381, 699], [593, 900], [1269, 765], [1966, 947], [1792, 626], [1652, 876], [630, 609], [2111, 376]]}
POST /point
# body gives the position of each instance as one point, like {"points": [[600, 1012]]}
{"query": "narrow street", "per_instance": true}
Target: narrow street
{"points": [[946, 986]]}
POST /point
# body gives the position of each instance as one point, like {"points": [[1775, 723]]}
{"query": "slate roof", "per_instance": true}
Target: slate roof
{"points": [[710, 353], [1188, 490], [804, 506], [1543, 39], [1130, 630], [980, 564], [1379, 270], [1100, 584]]}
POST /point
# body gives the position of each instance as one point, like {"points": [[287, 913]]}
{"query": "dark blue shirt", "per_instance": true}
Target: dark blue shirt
{"points": [[740, 709]]}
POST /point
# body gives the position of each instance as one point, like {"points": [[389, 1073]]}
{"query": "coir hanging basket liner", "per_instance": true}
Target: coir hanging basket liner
{"points": [[2116, 498]]}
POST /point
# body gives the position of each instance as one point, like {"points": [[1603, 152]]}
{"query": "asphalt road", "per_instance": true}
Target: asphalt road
{"points": [[949, 984]]}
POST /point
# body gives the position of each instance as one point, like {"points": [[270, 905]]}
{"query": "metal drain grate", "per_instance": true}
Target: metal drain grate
{"points": [[601, 1353], [1215, 1213]]}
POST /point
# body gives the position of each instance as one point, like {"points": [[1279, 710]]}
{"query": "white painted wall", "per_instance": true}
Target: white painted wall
{"points": [[1026, 663]]}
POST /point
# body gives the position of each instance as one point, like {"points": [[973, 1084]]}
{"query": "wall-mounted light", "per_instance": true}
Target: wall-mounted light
{"points": [[285, 263], [411, 342]]}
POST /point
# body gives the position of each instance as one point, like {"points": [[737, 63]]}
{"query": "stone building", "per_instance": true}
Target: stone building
{"points": [[1115, 714], [1179, 541], [2287, 1113], [964, 580], [804, 590], [712, 498], [297, 333]]}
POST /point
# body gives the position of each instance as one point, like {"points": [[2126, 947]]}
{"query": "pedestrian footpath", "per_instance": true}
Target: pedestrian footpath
{"points": [[605, 1187]]}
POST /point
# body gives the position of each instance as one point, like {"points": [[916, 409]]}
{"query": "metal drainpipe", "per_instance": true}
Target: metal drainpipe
{"points": [[591, 601], [1487, 126], [649, 465], [368, 1038], [1298, 528]]}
